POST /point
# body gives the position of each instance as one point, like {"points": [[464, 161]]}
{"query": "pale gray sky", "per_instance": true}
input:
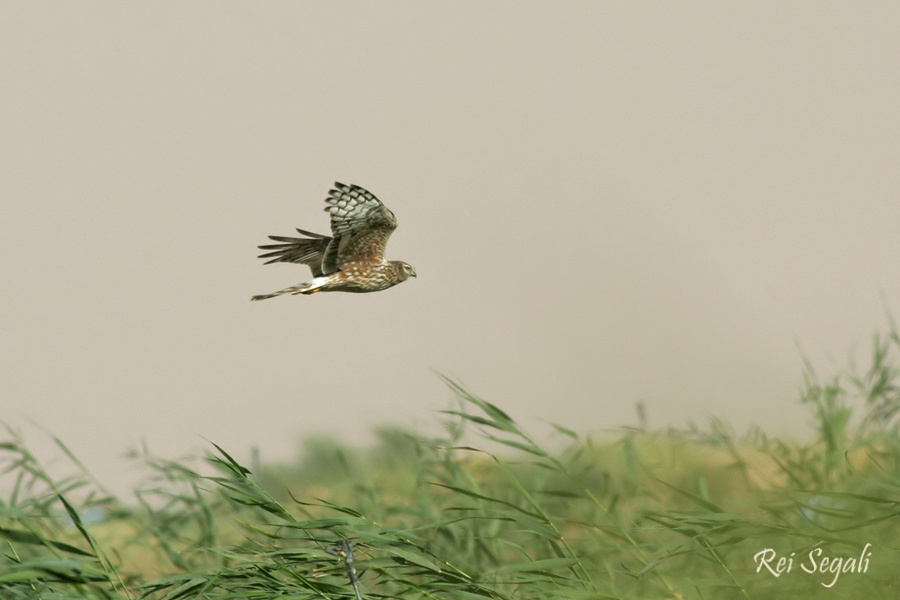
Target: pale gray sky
{"points": [[606, 203]]}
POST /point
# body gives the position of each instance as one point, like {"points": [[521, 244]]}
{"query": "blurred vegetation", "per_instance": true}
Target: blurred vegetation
{"points": [[646, 514]]}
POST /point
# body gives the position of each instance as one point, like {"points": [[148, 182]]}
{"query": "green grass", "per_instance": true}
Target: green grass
{"points": [[645, 514]]}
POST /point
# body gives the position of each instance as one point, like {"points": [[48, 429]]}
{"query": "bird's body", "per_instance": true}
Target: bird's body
{"points": [[353, 259]]}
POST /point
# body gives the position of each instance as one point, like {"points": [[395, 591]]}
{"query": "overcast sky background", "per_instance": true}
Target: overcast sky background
{"points": [[606, 203]]}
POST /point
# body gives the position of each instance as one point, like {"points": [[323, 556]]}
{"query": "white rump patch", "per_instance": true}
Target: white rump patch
{"points": [[315, 283]]}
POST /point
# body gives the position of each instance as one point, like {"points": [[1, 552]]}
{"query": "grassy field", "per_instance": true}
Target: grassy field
{"points": [[699, 513]]}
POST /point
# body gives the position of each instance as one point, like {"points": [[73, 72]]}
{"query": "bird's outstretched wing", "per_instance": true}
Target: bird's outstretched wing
{"points": [[360, 224], [305, 251]]}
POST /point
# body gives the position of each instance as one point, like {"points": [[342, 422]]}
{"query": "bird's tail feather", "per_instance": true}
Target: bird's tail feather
{"points": [[309, 287]]}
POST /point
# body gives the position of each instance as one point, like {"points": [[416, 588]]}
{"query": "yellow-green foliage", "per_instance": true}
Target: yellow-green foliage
{"points": [[644, 514]]}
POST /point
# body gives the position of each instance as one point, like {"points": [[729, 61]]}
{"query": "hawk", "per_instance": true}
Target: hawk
{"points": [[353, 259]]}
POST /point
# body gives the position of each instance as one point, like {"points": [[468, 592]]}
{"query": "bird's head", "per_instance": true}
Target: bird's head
{"points": [[406, 269]]}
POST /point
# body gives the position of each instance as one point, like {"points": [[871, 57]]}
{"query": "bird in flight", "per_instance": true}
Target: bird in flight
{"points": [[352, 260]]}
